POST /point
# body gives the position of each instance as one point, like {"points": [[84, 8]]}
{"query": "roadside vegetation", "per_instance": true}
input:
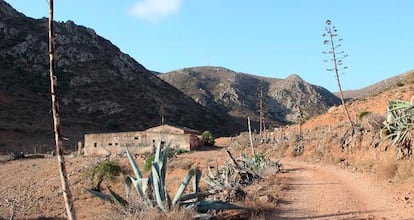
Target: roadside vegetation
{"points": [[224, 188]]}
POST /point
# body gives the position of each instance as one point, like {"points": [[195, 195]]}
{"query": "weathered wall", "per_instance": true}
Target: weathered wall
{"points": [[166, 129], [115, 143], [137, 142]]}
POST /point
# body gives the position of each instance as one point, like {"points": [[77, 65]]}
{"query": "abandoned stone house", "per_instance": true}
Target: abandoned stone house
{"points": [[139, 142]]}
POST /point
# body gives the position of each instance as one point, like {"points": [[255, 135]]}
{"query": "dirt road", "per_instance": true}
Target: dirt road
{"points": [[329, 192]]}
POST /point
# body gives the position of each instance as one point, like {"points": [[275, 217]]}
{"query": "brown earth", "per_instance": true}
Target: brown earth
{"points": [[358, 182], [318, 191], [325, 182]]}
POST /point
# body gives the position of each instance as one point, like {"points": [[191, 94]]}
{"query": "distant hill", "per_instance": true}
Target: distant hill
{"points": [[384, 85], [100, 88], [223, 91]]}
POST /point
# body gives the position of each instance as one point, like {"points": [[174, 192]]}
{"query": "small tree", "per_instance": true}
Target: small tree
{"points": [[104, 170], [208, 138], [336, 57]]}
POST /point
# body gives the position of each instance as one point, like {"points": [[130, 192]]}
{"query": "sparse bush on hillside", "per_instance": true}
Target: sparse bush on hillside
{"points": [[208, 138], [103, 170], [363, 114], [373, 122], [399, 84]]}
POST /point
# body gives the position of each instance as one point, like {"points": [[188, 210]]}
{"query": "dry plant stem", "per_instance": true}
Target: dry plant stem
{"points": [[233, 160], [261, 112], [67, 195], [250, 135], [339, 82]]}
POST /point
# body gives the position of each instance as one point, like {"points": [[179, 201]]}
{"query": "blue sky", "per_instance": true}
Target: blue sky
{"points": [[272, 38]]}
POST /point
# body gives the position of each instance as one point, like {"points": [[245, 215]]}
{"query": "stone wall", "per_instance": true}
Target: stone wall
{"points": [[138, 142]]}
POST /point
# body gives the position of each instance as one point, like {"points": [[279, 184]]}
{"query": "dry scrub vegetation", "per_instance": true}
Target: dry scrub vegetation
{"points": [[324, 138], [30, 188]]}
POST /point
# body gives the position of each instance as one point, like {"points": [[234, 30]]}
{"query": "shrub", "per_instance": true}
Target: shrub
{"points": [[148, 163], [208, 138], [373, 122], [400, 84], [103, 170], [363, 114], [150, 159]]}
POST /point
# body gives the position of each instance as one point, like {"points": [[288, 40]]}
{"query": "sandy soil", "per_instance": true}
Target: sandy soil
{"points": [[327, 192], [31, 188], [314, 191]]}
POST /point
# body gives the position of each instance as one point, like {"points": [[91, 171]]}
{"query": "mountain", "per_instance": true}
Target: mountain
{"points": [[224, 91], [100, 89], [384, 85]]}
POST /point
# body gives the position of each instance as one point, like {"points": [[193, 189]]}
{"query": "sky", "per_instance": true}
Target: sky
{"points": [[272, 38]]}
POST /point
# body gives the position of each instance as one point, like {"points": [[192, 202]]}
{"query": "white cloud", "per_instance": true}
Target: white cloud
{"points": [[155, 10]]}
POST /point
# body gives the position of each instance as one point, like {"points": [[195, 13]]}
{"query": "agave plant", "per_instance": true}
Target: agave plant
{"points": [[399, 127], [153, 189], [241, 172]]}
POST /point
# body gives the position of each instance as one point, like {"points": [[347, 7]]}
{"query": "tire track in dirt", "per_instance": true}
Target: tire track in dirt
{"points": [[327, 192]]}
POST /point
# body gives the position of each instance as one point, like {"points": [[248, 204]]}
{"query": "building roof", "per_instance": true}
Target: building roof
{"points": [[185, 130]]}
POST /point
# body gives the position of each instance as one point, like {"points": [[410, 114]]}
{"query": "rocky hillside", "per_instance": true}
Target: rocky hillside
{"points": [[100, 88], [224, 91], [387, 84]]}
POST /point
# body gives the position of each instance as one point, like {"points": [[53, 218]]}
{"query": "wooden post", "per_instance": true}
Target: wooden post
{"points": [[80, 148], [67, 195], [250, 135]]}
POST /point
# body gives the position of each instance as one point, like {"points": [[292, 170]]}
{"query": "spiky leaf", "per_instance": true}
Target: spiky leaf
{"points": [[140, 186], [204, 206], [158, 186], [100, 195], [134, 165], [196, 180], [183, 185], [163, 165], [117, 198]]}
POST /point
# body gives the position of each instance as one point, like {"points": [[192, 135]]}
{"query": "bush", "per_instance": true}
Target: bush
{"points": [[150, 159], [103, 170], [148, 162], [400, 84], [208, 138], [363, 114]]}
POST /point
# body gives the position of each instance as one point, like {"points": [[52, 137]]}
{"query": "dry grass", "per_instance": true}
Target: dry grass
{"points": [[153, 214], [138, 210]]}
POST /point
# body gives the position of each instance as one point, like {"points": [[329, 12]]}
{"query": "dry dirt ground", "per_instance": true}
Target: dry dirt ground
{"points": [[323, 183], [318, 191], [313, 191]]}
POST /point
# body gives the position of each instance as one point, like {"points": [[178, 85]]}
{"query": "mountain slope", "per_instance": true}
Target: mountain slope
{"points": [[100, 88], [227, 92], [386, 84]]}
